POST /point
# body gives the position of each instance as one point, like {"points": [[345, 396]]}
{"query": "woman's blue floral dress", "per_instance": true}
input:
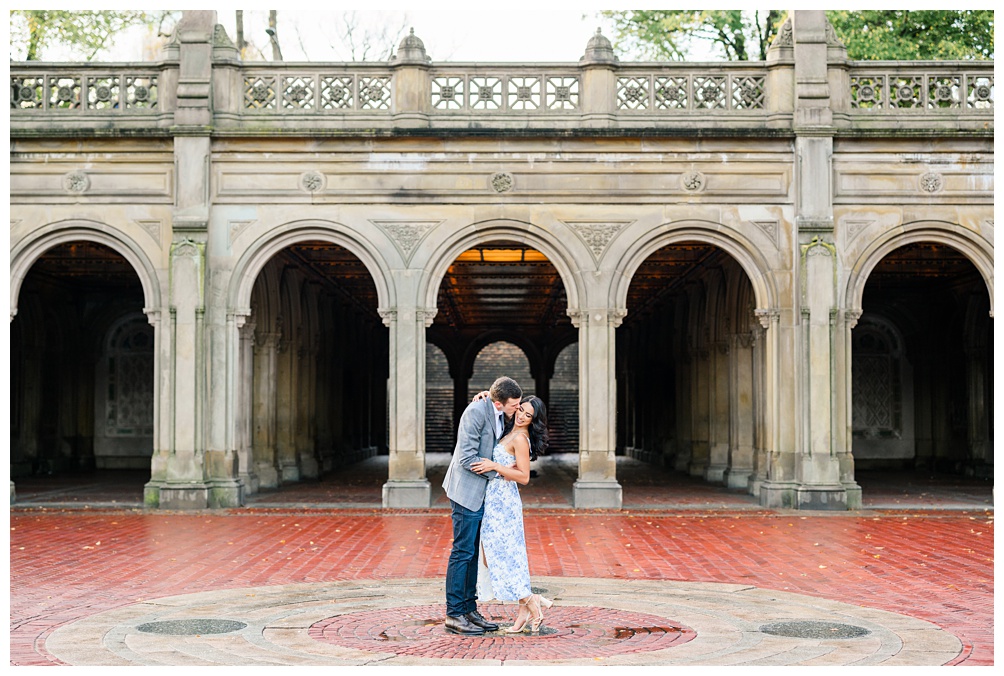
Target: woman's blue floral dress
{"points": [[507, 574]]}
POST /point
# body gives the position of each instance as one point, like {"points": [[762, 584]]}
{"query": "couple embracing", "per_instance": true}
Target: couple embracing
{"points": [[499, 434]]}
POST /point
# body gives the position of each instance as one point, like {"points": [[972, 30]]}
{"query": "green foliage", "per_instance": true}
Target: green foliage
{"points": [[915, 35], [734, 35], [671, 35], [85, 33]]}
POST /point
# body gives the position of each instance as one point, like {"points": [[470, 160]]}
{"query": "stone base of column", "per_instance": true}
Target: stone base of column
{"points": [[853, 495], [715, 474], [268, 476], [737, 478], [290, 472], [822, 497], [407, 494], [226, 493], [168, 495], [597, 495], [250, 482], [777, 495], [309, 468]]}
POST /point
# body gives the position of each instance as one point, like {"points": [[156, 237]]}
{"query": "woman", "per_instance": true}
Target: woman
{"points": [[503, 543]]}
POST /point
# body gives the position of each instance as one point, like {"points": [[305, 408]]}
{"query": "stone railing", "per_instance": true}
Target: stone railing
{"points": [[288, 97], [109, 88], [315, 88], [894, 87]]}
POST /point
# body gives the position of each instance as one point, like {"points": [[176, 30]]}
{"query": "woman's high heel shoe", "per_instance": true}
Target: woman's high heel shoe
{"points": [[521, 619], [536, 614]]}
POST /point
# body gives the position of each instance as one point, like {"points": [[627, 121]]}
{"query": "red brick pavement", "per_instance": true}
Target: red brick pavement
{"points": [[934, 565], [578, 631]]}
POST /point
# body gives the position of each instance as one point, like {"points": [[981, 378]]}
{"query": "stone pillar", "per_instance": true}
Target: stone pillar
{"points": [[306, 396], [741, 411], [178, 475], [286, 408], [844, 442], [597, 487], [760, 401], [263, 410], [599, 83], [407, 485], [412, 89], [718, 407], [244, 389], [193, 347]]}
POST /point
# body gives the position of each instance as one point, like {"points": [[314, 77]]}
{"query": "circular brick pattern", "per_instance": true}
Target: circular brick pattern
{"points": [[568, 632]]}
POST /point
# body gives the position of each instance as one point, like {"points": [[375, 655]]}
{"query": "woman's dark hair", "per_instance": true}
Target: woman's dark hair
{"points": [[538, 426]]}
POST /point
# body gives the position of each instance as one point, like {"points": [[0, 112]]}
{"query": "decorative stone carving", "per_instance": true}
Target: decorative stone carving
{"points": [[693, 181], [785, 35], [76, 181], [769, 228], [597, 234], [852, 317], [599, 49], [931, 182], [854, 228], [767, 316], [406, 234], [152, 228], [832, 39], [186, 247], [312, 181], [389, 316], [237, 227], [502, 181]]}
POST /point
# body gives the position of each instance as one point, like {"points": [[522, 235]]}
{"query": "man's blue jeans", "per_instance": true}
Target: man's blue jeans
{"points": [[462, 569]]}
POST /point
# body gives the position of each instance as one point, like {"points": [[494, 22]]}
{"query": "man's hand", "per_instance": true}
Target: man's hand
{"points": [[481, 395]]}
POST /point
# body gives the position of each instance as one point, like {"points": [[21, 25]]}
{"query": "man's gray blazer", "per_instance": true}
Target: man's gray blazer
{"points": [[475, 440]]}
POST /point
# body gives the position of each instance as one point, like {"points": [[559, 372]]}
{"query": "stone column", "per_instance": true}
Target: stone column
{"points": [[286, 409], [760, 401], [741, 411], [597, 487], [244, 389], [718, 406], [307, 387], [263, 410], [407, 485]]}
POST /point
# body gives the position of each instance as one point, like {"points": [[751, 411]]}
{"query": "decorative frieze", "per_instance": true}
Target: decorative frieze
{"points": [[76, 182], [313, 92], [652, 92], [916, 90], [151, 227], [931, 182], [769, 228], [460, 91]]}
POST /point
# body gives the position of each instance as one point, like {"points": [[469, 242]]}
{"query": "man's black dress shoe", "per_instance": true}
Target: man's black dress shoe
{"points": [[479, 620], [461, 625]]}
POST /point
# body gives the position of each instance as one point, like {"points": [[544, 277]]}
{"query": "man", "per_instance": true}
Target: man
{"points": [[481, 426]]}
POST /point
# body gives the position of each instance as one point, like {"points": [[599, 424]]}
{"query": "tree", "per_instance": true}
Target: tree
{"points": [[671, 35], [869, 34], [915, 35], [85, 33]]}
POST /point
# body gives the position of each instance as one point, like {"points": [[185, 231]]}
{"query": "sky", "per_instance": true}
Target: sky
{"points": [[522, 32]]}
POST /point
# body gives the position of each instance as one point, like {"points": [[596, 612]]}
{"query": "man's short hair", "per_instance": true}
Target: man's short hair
{"points": [[504, 389]]}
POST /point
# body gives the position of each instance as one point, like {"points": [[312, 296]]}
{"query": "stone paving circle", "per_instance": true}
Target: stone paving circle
{"points": [[593, 621]]}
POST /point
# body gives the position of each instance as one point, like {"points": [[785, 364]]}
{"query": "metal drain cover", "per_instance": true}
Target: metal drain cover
{"points": [[193, 627], [813, 629]]}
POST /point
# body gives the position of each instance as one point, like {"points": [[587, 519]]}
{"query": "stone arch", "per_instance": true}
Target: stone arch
{"points": [[973, 247], [494, 230], [484, 340], [27, 251], [736, 245], [257, 255]]}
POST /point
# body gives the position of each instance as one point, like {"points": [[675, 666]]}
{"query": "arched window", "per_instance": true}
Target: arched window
{"points": [[129, 394], [878, 387]]}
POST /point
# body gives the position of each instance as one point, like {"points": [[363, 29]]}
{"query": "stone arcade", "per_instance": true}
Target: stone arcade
{"points": [[241, 275]]}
